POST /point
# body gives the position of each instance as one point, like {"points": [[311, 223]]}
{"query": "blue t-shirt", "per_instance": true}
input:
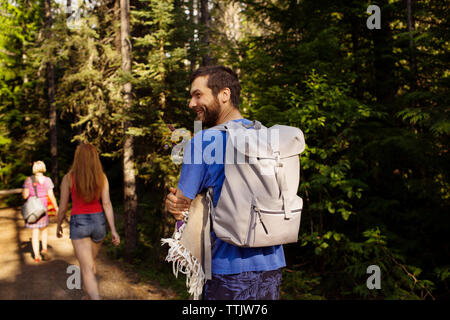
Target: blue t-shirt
{"points": [[203, 167]]}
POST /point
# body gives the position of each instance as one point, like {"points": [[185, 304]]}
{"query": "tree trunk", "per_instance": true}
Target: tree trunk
{"points": [[162, 55], [51, 101], [205, 22], [356, 65], [193, 24], [385, 84], [68, 8], [412, 55], [129, 179], [24, 57], [117, 38]]}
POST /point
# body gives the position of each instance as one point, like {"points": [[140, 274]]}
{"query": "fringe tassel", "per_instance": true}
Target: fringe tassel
{"points": [[184, 262]]}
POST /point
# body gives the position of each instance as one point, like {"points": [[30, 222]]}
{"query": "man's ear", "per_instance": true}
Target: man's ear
{"points": [[225, 95]]}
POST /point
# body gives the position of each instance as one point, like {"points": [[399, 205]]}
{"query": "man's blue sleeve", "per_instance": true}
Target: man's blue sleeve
{"points": [[193, 173]]}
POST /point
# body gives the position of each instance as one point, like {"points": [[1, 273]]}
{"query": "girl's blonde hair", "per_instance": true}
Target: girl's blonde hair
{"points": [[39, 167], [88, 173]]}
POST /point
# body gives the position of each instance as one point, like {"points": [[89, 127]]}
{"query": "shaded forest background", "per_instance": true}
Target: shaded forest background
{"points": [[373, 105]]}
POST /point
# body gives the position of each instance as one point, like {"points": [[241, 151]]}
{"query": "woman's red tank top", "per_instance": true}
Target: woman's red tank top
{"points": [[81, 207]]}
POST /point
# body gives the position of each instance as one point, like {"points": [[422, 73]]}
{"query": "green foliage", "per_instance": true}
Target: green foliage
{"points": [[341, 266], [328, 116], [22, 131], [300, 285]]}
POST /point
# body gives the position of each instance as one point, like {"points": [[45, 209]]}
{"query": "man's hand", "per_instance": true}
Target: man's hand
{"points": [[176, 205]]}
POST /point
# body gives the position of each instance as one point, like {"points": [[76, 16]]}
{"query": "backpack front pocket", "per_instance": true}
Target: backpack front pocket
{"points": [[269, 223]]}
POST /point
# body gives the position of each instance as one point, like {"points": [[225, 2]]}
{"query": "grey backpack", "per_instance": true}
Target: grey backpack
{"points": [[258, 205], [33, 209]]}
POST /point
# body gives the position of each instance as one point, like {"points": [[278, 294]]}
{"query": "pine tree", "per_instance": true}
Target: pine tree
{"points": [[22, 131], [129, 180], [51, 88]]}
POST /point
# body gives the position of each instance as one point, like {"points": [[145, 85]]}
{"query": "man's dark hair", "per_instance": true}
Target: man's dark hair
{"points": [[220, 77]]}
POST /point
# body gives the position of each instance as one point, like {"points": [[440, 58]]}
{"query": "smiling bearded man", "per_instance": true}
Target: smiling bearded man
{"points": [[208, 115], [237, 272], [205, 101]]}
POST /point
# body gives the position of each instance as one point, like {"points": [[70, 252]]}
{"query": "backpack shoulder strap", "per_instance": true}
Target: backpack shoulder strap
{"points": [[33, 183], [237, 125]]}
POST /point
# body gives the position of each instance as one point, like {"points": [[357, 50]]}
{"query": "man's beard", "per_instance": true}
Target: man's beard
{"points": [[211, 113]]}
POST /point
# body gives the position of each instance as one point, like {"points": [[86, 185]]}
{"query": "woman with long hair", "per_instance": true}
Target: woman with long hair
{"points": [[91, 208], [44, 187]]}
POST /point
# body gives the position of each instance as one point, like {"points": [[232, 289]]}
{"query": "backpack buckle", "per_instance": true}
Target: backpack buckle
{"points": [[288, 214], [277, 158]]}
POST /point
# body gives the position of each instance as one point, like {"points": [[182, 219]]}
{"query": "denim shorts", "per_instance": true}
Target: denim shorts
{"points": [[91, 225], [250, 285]]}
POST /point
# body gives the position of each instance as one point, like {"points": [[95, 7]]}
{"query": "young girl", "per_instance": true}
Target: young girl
{"points": [[44, 187], [91, 208]]}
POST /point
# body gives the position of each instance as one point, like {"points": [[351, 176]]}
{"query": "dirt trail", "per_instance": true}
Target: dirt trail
{"points": [[22, 278]]}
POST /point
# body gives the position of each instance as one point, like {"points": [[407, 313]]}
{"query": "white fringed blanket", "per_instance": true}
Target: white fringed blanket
{"points": [[189, 248]]}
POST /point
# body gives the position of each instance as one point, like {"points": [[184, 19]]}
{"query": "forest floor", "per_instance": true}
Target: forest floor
{"points": [[22, 278]]}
